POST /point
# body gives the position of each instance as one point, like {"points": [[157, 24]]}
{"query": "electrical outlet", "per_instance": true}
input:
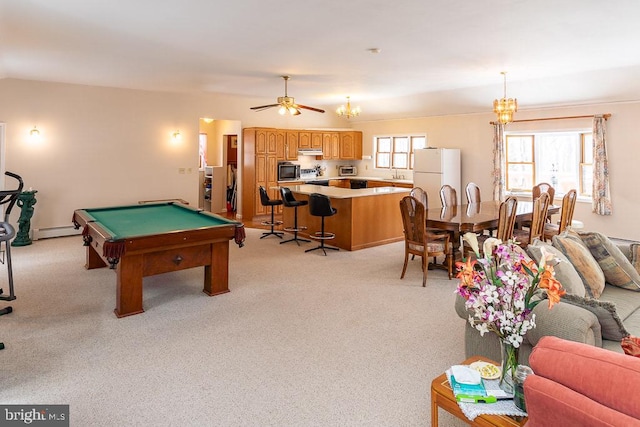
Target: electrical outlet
{"points": [[189, 170], [366, 167], [180, 170]]}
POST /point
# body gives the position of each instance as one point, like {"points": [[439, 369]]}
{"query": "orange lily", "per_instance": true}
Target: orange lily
{"points": [[553, 287], [466, 272]]}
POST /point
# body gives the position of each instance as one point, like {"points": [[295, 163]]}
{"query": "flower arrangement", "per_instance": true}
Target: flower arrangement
{"points": [[499, 290]]}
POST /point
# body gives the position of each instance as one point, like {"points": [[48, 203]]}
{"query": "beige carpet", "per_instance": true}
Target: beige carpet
{"points": [[301, 340]]}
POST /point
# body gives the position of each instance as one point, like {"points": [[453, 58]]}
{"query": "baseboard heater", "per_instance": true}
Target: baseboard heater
{"points": [[63, 231]]}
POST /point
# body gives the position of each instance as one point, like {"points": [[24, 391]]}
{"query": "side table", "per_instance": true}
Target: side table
{"points": [[442, 397]]}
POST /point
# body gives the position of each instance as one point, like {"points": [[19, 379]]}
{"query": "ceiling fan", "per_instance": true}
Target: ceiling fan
{"points": [[287, 103]]}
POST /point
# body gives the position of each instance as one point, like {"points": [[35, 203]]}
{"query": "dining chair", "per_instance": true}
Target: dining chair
{"points": [[418, 242], [506, 223], [538, 220], [448, 196], [543, 187], [423, 198], [473, 193], [566, 216]]}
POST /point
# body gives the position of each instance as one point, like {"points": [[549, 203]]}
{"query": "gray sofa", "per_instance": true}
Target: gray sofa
{"points": [[583, 316]]}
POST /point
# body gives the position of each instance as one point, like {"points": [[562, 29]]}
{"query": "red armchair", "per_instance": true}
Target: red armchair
{"points": [[577, 384]]}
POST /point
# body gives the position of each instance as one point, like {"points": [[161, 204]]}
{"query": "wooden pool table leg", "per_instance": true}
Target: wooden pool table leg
{"points": [[129, 286], [93, 259], [216, 274]]}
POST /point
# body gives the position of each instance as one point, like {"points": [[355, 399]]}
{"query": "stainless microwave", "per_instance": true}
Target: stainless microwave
{"points": [[288, 171]]}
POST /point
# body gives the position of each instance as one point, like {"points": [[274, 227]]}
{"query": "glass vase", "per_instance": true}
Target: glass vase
{"points": [[508, 367]]}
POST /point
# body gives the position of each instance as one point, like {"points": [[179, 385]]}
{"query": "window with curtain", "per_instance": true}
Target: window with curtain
{"points": [[563, 159]]}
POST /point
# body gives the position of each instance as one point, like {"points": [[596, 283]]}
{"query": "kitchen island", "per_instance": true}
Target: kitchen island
{"points": [[366, 217]]}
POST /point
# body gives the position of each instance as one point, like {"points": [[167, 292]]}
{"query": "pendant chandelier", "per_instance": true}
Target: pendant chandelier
{"points": [[346, 111], [505, 107]]}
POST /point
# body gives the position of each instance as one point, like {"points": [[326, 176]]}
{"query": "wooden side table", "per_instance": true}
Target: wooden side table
{"points": [[442, 397]]}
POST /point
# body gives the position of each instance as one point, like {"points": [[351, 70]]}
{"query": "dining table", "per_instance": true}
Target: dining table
{"points": [[476, 217]]}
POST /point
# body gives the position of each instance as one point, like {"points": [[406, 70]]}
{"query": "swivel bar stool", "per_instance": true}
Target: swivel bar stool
{"points": [[290, 202], [7, 232], [320, 205], [267, 201]]}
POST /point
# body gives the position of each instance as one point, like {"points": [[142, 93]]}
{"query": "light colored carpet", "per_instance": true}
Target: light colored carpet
{"points": [[301, 340]]}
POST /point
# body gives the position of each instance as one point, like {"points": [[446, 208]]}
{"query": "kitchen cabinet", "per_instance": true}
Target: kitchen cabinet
{"points": [[259, 168], [316, 140], [304, 139], [350, 146], [342, 183], [291, 145], [330, 146]]}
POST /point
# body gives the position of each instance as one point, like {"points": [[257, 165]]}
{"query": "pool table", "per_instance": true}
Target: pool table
{"points": [[146, 239]]}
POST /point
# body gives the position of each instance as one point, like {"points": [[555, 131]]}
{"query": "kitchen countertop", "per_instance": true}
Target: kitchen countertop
{"points": [[361, 178], [345, 193]]}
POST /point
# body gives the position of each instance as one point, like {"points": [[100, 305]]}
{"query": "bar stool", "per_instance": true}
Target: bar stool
{"points": [[7, 232], [267, 201], [290, 202], [320, 205]]}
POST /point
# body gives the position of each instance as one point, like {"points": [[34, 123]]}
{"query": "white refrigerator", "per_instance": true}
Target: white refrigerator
{"points": [[435, 167]]}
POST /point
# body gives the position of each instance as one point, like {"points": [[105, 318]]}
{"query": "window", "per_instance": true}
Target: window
{"points": [[563, 159], [396, 152]]}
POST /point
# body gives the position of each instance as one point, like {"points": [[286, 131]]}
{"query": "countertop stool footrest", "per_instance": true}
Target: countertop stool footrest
{"points": [[319, 235]]}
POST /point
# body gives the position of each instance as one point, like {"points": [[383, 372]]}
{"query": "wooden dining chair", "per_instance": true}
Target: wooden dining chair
{"points": [[416, 239], [448, 196], [473, 193], [538, 189], [538, 220], [543, 187], [423, 198], [506, 223], [566, 216]]}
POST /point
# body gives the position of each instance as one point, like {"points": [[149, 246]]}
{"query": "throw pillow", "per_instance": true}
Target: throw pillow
{"points": [[584, 263], [612, 327], [635, 256], [631, 346], [564, 271], [617, 269]]}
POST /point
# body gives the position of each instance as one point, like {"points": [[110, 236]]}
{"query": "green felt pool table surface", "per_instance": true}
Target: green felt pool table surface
{"points": [[141, 220]]}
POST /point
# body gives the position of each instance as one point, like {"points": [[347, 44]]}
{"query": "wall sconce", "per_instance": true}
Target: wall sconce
{"points": [[34, 134], [177, 136]]}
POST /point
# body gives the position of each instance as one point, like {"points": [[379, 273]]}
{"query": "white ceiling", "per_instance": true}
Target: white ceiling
{"points": [[437, 57]]}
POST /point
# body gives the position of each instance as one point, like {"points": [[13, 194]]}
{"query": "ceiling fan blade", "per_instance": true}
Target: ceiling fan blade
{"points": [[264, 107], [310, 108]]}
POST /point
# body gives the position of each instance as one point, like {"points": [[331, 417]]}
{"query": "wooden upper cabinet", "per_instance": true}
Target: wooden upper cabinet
{"points": [[261, 141], [351, 145], [281, 144], [316, 140], [291, 145], [330, 145], [272, 141], [304, 139]]}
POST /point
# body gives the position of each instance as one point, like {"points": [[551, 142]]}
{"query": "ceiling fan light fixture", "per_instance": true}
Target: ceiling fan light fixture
{"points": [[505, 107], [347, 111]]}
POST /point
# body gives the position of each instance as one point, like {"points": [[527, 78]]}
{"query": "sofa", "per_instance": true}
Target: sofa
{"points": [[580, 385], [602, 304]]}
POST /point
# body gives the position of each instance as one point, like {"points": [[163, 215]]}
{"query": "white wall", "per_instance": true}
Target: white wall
{"points": [[104, 146], [473, 135]]}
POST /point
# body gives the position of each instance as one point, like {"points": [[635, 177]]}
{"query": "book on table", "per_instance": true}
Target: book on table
{"points": [[468, 386]]}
